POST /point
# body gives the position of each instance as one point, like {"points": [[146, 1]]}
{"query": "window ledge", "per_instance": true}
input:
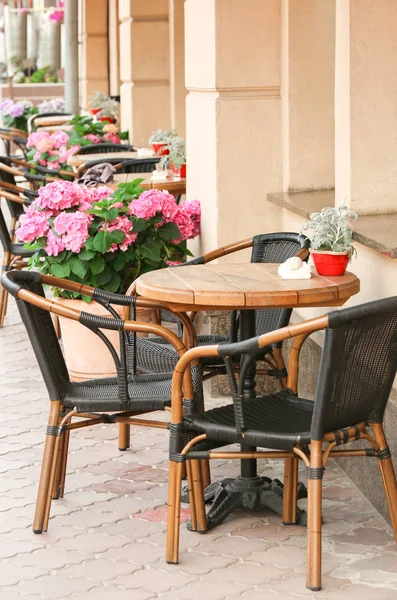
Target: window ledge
{"points": [[376, 231]]}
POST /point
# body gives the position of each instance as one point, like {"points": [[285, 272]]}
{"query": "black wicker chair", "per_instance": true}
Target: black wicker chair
{"points": [[14, 255], [358, 366], [123, 165], [104, 148], [111, 400], [16, 136]]}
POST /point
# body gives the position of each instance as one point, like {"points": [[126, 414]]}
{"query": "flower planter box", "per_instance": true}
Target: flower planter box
{"points": [[86, 355]]}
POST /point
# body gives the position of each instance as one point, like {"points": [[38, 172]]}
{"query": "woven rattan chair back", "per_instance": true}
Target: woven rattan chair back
{"points": [[275, 248], [42, 335], [16, 210], [105, 147], [130, 165], [358, 366], [5, 237]]}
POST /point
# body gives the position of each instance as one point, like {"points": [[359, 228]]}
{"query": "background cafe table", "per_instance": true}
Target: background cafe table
{"points": [[242, 287]]}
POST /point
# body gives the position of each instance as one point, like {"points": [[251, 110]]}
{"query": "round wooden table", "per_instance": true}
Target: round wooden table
{"points": [[243, 287]]}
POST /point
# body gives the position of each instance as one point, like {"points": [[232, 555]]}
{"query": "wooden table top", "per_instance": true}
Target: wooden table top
{"points": [[79, 159], [54, 120], [174, 185], [242, 286]]}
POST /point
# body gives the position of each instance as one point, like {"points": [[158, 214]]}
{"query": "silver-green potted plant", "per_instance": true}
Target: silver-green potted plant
{"points": [[177, 156], [160, 139], [332, 239], [96, 101], [109, 111]]}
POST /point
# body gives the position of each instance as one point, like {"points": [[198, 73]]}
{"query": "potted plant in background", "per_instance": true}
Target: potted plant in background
{"points": [[104, 239], [109, 111], [160, 139], [16, 114], [332, 239], [55, 105], [177, 156], [96, 102]]}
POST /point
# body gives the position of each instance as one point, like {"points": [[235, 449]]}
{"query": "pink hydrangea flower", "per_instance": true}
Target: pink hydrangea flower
{"points": [[74, 226], [130, 238], [41, 141], [173, 263], [95, 139], [152, 202], [60, 138], [187, 219], [32, 225], [55, 244], [100, 193], [59, 195], [112, 138]]}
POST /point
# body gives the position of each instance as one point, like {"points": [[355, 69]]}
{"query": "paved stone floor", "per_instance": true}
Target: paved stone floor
{"points": [[106, 537]]}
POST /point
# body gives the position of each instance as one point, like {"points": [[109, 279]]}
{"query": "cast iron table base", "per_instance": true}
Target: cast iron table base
{"points": [[231, 494]]}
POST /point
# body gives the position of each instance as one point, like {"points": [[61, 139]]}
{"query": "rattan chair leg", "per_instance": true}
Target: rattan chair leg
{"points": [[64, 460], [44, 491], [124, 436], [314, 510], [3, 291], [171, 552], [294, 494], [287, 491], [192, 504], [58, 462], [205, 472], [388, 476], [53, 475], [198, 491]]}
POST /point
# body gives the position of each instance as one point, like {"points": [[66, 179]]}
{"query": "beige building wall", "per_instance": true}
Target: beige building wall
{"points": [[93, 48], [177, 66], [308, 65], [144, 67], [365, 101], [233, 118]]}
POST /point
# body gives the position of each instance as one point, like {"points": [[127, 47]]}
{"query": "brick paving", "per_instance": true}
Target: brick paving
{"points": [[106, 536]]}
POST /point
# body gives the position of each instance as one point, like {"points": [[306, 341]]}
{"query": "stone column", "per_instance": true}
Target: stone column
{"points": [[114, 49], [308, 64], [365, 105], [94, 70], [233, 115], [177, 66], [144, 67]]}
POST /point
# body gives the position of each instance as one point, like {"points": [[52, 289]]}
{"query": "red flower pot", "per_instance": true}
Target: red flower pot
{"points": [[181, 172], [330, 263], [160, 148], [107, 119], [95, 111]]}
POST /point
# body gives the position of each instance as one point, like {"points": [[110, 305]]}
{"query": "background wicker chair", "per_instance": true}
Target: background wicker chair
{"points": [[32, 118], [14, 255], [34, 174], [358, 366], [125, 396], [104, 148], [130, 165], [19, 138]]}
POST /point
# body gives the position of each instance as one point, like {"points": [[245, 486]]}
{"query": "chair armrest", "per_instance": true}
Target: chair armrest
{"points": [[218, 253]]}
